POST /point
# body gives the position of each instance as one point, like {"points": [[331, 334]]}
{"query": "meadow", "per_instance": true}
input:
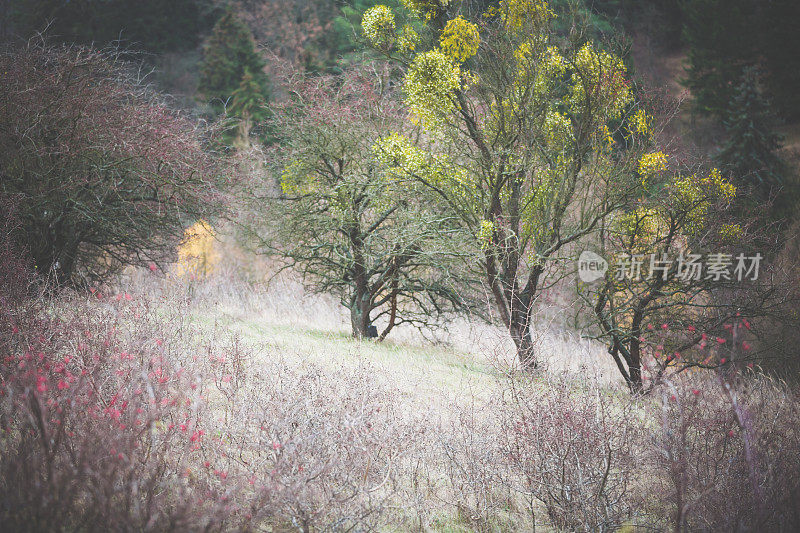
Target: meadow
{"points": [[166, 402]]}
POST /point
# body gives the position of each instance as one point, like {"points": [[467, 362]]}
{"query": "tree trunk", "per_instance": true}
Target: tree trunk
{"points": [[635, 352], [635, 375], [242, 140], [56, 264], [360, 301], [359, 316], [392, 313], [521, 333], [515, 311]]}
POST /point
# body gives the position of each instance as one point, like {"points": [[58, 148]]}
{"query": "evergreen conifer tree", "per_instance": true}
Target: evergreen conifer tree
{"points": [[228, 54], [721, 36], [750, 153], [247, 106]]}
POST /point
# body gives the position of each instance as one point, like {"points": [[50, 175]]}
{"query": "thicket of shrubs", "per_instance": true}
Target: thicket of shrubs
{"points": [[116, 414], [699, 455], [101, 170]]}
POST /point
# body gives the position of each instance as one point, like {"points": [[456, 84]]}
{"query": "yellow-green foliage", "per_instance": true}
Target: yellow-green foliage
{"points": [[524, 118], [720, 186], [399, 156], [519, 14], [599, 82], [296, 180], [485, 233], [650, 165], [425, 8], [641, 227], [547, 66], [558, 131], [429, 85], [551, 68], [524, 54], [408, 39], [641, 123], [460, 39], [606, 140], [685, 209], [197, 253], [730, 232], [696, 195], [400, 159], [378, 26]]}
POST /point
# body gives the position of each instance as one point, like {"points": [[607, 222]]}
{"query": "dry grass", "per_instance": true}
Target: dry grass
{"points": [[291, 425], [463, 353]]}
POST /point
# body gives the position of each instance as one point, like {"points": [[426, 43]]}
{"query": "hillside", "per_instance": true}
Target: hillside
{"points": [[424, 265]]}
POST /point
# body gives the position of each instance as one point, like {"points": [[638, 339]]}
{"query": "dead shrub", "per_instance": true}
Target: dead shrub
{"points": [[726, 454], [319, 451], [574, 448]]}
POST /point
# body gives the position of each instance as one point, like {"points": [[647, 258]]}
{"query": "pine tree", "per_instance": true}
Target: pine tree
{"points": [[247, 107], [228, 54], [750, 153], [722, 39]]}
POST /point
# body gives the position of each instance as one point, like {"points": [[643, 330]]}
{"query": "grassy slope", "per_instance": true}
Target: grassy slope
{"points": [[464, 368], [462, 362]]}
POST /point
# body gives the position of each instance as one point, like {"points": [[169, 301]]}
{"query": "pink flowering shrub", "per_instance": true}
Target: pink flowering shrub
{"points": [[97, 412], [116, 414], [96, 419]]}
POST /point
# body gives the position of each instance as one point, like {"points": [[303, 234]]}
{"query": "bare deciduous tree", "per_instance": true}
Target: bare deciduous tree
{"points": [[102, 171]]}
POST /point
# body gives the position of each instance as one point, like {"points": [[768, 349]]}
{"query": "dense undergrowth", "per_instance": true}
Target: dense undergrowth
{"points": [[120, 413]]}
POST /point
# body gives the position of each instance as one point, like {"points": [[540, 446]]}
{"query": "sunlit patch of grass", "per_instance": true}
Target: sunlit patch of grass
{"points": [[428, 374]]}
